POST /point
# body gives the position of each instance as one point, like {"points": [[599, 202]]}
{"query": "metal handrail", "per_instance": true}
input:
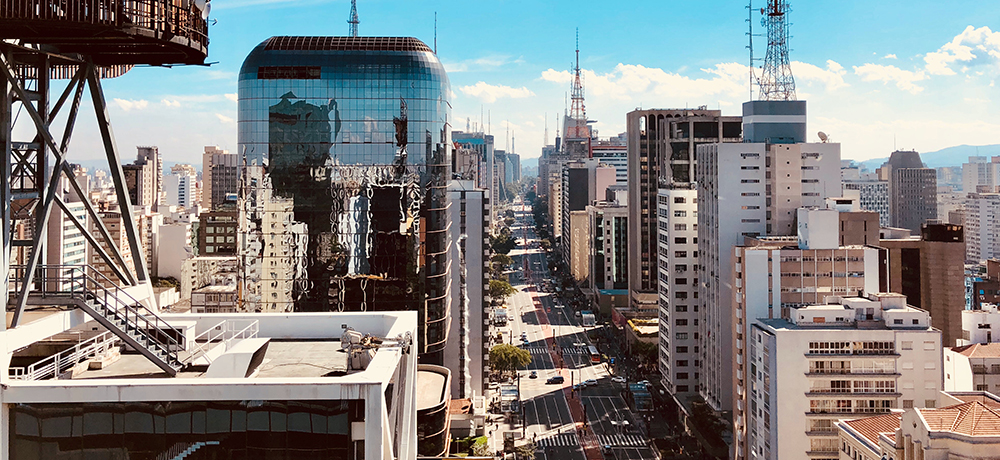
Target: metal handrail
{"points": [[224, 333], [66, 359], [82, 285]]}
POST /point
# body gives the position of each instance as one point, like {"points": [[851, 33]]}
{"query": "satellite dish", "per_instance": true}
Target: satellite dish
{"points": [[823, 137], [206, 10], [200, 4]]}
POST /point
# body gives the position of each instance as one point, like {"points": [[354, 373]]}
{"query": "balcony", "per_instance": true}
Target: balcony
{"points": [[851, 394]]}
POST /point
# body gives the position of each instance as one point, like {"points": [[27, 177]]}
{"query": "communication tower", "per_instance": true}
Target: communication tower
{"points": [[776, 81], [578, 112], [354, 21]]}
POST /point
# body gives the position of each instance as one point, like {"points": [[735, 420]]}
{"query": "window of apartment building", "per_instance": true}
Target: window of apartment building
{"points": [[682, 376], [681, 281], [680, 213], [680, 240], [929, 345], [907, 345], [682, 388], [897, 321], [681, 349], [681, 336], [680, 295], [680, 254], [682, 363], [679, 200], [907, 404], [680, 227], [681, 308]]}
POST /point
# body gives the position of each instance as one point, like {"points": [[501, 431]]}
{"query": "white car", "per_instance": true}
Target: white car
{"points": [[590, 383], [618, 379]]}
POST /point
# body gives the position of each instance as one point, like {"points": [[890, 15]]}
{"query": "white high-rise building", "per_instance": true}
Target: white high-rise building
{"points": [[677, 221], [774, 275], [980, 171], [469, 212], [873, 194], [847, 358], [180, 188], [982, 226], [747, 190]]}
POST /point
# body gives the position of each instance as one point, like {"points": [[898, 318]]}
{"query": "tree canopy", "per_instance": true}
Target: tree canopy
{"points": [[503, 242], [500, 290], [508, 358]]}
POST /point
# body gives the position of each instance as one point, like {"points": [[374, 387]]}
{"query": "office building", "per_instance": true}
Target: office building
{"points": [[981, 215], [151, 155], [607, 242], [751, 189], [773, 276], [930, 271], [677, 249], [844, 358], [367, 120], [583, 182], [180, 187], [482, 146], [217, 232], [984, 289], [513, 168], [468, 340], [141, 182], [661, 151], [269, 385], [219, 175], [980, 171], [65, 243], [874, 196], [615, 153], [912, 190]]}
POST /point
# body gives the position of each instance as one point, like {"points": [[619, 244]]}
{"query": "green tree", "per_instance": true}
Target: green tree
{"points": [[503, 242], [526, 451], [499, 263], [508, 358], [500, 290]]}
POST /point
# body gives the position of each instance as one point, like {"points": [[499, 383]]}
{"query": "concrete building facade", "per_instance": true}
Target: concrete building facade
{"points": [[912, 190], [847, 357], [661, 150], [677, 259], [219, 176]]}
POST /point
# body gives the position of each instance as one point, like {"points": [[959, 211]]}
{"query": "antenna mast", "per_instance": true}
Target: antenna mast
{"points": [[435, 32], [750, 36], [354, 21], [776, 81], [578, 112]]}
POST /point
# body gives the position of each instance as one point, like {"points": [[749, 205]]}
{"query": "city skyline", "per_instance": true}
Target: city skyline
{"points": [[867, 87]]}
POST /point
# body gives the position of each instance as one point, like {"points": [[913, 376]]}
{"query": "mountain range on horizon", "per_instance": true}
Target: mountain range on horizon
{"points": [[950, 156]]}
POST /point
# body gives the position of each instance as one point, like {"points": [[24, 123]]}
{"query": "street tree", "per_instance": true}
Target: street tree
{"points": [[508, 358], [500, 290]]}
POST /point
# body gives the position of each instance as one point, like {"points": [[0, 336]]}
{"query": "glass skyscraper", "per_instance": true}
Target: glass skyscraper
{"points": [[347, 151]]}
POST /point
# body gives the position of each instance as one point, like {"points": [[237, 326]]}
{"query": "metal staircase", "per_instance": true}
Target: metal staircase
{"points": [[85, 287]]}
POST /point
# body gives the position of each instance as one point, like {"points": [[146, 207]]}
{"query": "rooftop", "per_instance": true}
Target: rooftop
{"points": [[971, 419], [432, 386], [979, 350], [868, 429], [345, 44]]}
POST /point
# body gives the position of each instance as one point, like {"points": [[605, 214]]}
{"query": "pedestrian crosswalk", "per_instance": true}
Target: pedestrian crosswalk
{"points": [[559, 440], [621, 440], [537, 350]]}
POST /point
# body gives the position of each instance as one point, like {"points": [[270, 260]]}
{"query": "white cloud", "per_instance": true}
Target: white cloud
{"points": [[232, 97], [490, 93], [904, 79], [971, 47], [628, 81], [889, 56], [832, 76], [171, 103], [225, 119], [127, 104]]}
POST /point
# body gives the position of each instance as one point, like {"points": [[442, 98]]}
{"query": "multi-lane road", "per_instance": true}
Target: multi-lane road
{"points": [[553, 413]]}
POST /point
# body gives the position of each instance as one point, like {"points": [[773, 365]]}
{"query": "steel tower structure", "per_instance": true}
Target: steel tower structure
{"points": [[776, 81], [82, 41], [578, 111], [354, 21]]}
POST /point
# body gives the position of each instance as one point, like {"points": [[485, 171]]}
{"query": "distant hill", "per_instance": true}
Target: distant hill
{"points": [[951, 156]]}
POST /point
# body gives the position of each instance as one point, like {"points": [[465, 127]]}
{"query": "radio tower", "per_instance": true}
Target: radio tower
{"points": [[578, 112], [776, 81], [354, 21]]}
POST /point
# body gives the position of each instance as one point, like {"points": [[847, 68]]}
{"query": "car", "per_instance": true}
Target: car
{"points": [[555, 379], [494, 385], [579, 344], [579, 386], [533, 375], [618, 379], [590, 382]]}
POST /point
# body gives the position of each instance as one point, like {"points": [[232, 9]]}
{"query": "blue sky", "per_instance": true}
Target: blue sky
{"points": [[922, 72]]}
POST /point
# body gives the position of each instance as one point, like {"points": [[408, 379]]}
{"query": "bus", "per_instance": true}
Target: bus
{"points": [[595, 357]]}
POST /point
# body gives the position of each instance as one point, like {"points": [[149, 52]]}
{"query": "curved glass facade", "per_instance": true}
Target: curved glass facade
{"points": [[347, 138]]}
